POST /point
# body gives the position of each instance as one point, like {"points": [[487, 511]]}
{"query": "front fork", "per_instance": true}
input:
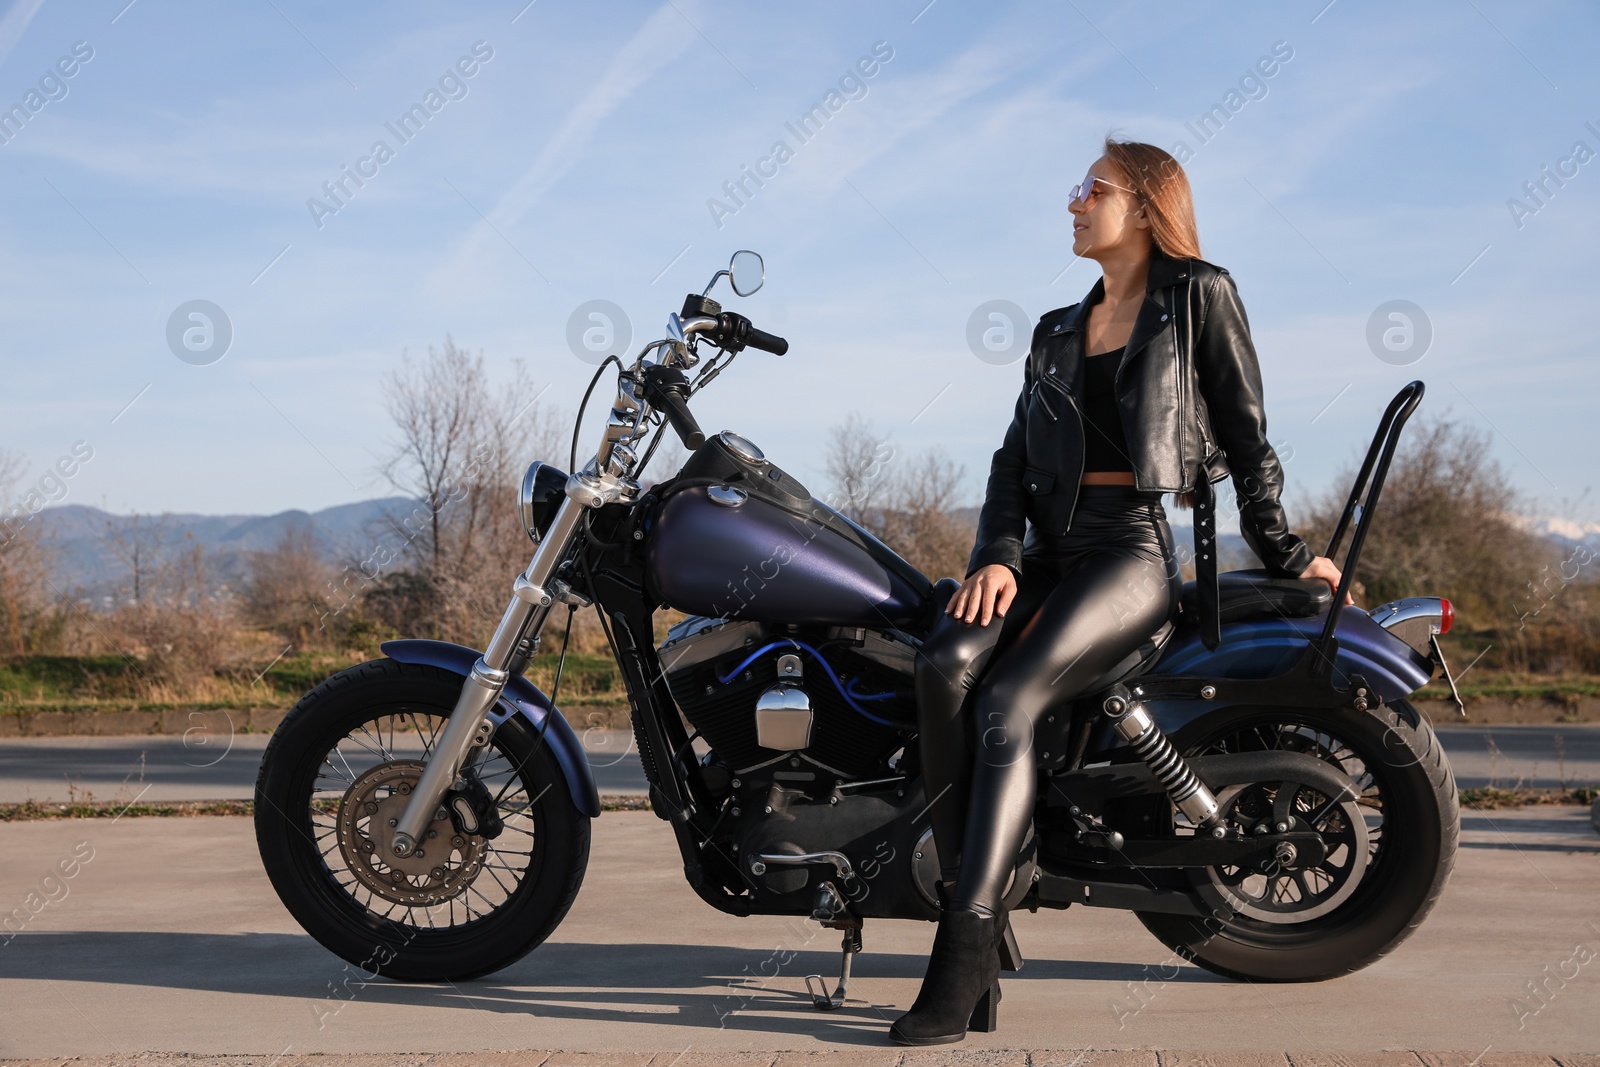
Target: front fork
{"points": [[469, 727]]}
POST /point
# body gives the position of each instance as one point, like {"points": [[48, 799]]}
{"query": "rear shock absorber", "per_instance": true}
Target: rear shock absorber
{"points": [[1134, 725]]}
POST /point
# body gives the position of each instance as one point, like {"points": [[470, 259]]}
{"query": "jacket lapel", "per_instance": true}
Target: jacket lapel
{"points": [[1163, 272], [1150, 321]]}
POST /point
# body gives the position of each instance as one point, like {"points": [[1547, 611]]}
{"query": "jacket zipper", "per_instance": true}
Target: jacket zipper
{"points": [[1078, 475]]}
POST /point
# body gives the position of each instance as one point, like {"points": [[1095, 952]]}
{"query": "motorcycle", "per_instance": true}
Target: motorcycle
{"points": [[1274, 809]]}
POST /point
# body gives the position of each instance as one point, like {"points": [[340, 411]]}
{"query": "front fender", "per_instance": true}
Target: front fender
{"points": [[521, 697]]}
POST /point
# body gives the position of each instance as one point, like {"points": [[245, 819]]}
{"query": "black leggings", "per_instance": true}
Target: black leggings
{"points": [[1085, 600]]}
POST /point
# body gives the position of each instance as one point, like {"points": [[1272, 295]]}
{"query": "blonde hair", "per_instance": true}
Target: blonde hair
{"points": [[1163, 188]]}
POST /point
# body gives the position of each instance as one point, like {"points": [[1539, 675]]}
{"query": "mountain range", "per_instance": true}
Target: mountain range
{"points": [[85, 560]]}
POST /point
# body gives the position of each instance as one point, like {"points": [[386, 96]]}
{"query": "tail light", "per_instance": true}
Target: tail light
{"points": [[1447, 615]]}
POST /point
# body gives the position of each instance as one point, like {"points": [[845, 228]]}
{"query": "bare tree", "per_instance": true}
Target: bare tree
{"points": [[919, 520], [461, 451], [906, 500], [140, 544], [24, 600], [859, 461], [1447, 524], [286, 588]]}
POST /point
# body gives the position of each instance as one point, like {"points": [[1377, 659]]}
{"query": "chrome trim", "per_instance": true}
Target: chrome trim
{"points": [[863, 783], [1407, 608], [742, 447], [525, 500], [1413, 619], [841, 862], [784, 718], [729, 496]]}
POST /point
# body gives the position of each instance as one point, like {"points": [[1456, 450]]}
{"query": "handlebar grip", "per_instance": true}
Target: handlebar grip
{"points": [[767, 342], [682, 419], [665, 387]]}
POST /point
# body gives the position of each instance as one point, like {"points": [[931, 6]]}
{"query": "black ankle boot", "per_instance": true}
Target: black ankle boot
{"points": [[961, 989]]}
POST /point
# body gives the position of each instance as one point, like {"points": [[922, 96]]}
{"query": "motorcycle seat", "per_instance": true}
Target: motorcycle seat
{"points": [[1253, 594], [1136, 662]]}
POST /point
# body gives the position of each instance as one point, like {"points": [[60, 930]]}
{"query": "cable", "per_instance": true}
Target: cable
{"points": [[572, 463], [849, 698]]}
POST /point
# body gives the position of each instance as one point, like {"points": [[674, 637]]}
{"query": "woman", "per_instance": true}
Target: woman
{"points": [[1127, 395]]}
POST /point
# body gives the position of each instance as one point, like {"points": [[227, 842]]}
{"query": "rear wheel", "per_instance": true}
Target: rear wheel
{"points": [[1389, 850], [342, 765]]}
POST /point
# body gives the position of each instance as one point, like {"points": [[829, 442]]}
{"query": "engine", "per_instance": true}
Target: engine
{"points": [[837, 699], [811, 731]]}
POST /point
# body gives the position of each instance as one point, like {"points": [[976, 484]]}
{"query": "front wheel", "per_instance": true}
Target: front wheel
{"points": [[1390, 848], [336, 774]]}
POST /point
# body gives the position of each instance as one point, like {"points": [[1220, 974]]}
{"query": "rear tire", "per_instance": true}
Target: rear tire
{"points": [[1410, 863], [295, 792]]}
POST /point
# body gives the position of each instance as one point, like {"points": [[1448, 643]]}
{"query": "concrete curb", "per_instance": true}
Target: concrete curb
{"points": [[948, 1056]]}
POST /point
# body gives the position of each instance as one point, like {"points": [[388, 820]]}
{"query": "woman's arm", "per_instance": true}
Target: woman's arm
{"points": [[1230, 381]]}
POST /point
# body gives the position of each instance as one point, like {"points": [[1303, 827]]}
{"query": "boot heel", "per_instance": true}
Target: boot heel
{"points": [[983, 1014]]}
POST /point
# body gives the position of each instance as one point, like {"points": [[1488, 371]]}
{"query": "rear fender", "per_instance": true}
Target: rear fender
{"points": [[521, 697], [1261, 648]]}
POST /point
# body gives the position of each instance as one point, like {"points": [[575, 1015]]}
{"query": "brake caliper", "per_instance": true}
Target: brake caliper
{"points": [[473, 811]]}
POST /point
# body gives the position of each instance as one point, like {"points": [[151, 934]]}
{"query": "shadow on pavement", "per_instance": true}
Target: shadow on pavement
{"points": [[608, 982]]}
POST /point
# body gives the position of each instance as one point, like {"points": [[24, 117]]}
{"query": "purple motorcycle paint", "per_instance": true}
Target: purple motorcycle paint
{"points": [[758, 561]]}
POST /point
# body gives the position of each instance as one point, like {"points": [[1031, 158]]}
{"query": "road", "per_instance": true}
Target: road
{"points": [[59, 769], [170, 939], [204, 767]]}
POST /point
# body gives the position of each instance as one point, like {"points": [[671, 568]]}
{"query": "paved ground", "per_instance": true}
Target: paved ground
{"points": [[169, 939], [206, 767]]}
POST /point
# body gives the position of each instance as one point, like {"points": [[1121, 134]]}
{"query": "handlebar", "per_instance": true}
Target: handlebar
{"points": [[665, 387]]}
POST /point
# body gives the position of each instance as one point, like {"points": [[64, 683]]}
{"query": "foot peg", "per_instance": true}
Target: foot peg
{"points": [[821, 999]]}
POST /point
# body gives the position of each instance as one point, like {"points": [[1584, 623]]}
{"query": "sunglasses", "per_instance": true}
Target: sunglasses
{"points": [[1085, 189]]}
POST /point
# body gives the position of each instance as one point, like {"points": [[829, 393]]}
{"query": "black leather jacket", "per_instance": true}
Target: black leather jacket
{"points": [[1188, 388]]}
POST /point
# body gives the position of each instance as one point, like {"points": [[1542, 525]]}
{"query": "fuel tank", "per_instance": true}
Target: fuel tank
{"points": [[726, 550]]}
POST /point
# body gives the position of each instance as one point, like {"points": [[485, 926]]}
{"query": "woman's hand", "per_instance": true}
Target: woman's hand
{"points": [[1324, 568], [988, 592]]}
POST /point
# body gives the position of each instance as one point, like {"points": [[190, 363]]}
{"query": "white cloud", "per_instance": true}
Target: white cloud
{"points": [[15, 22], [657, 44]]}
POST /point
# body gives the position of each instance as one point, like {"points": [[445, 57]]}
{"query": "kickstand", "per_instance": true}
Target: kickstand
{"points": [[1010, 954], [820, 998]]}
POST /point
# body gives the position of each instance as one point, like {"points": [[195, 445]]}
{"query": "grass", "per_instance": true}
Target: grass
{"points": [[1520, 686], [1488, 798], [116, 683]]}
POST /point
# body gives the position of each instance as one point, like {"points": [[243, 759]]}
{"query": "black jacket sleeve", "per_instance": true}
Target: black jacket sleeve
{"points": [[1002, 520], [1230, 382]]}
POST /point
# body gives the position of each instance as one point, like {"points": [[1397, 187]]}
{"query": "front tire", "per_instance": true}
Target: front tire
{"points": [[1413, 812], [341, 760]]}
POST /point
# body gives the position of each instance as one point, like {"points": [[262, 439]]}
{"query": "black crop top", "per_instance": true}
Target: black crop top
{"points": [[1105, 447]]}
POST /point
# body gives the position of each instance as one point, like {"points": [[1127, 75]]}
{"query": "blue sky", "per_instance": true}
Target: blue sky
{"points": [[577, 160]]}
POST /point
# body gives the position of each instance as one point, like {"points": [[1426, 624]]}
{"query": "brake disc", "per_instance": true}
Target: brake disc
{"points": [[444, 863], [1287, 891]]}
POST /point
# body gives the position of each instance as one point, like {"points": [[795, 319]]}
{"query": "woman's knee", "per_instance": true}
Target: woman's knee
{"points": [[950, 656], [1002, 723]]}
